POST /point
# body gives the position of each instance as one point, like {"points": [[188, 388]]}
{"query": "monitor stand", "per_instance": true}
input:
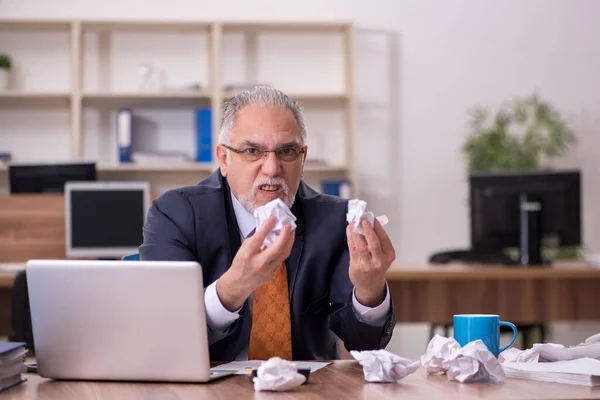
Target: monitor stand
{"points": [[530, 210]]}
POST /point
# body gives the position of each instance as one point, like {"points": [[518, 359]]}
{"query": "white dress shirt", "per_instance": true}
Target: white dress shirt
{"points": [[219, 318]]}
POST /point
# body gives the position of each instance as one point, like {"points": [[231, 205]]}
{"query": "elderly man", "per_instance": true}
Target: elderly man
{"points": [[287, 299]]}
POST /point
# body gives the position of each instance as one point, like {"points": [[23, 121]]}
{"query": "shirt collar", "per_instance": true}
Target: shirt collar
{"points": [[245, 219]]}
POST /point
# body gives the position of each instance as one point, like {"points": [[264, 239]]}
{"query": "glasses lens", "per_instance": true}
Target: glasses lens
{"points": [[252, 154], [288, 154]]}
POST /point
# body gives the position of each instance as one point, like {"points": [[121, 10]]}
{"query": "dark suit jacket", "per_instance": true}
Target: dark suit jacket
{"points": [[198, 223]]}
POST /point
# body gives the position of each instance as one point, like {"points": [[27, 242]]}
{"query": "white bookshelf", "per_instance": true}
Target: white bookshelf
{"points": [[96, 85]]}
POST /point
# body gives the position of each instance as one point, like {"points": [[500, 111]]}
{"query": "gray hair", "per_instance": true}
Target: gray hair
{"points": [[260, 96]]}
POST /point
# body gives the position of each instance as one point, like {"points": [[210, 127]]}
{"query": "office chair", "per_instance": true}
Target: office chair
{"points": [[20, 315]]}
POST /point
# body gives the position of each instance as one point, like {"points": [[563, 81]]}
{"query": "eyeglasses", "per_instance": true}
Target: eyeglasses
{"points": [[251, 154]]}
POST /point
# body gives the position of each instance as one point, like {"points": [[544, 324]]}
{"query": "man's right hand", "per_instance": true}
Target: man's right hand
{"points": [[252, 267]]}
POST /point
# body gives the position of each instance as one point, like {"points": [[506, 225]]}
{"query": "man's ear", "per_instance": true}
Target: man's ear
{"points": [[222, 158]]}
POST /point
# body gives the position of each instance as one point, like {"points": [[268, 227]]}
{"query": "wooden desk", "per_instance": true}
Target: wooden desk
{"points": [[433, 294], [341, 380]]}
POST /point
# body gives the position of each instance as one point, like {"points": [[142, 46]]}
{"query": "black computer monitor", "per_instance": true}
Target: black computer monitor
{"points": [[48, 177], [103, 219], [528, 211]]}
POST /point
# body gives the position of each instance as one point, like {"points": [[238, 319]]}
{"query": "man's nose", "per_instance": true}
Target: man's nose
{"points": [[270, 165]]}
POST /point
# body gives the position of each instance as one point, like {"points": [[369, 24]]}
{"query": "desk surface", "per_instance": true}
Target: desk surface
{"points": [[343, 379], [576, 270]]}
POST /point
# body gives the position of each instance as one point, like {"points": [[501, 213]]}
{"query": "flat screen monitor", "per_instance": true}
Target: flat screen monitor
{"points": [[104, 220], [47, 177], [528, 211]]}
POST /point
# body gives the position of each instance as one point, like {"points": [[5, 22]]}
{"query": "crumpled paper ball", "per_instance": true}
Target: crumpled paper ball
{"points": [[384, 366], [357, 210], [471, 363], [474, 363], [438, 349], [278, 375], [283, 214]]}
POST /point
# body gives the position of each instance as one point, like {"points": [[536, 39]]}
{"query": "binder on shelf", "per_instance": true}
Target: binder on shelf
{"points": [[204, 135], [339, 188], [124, 127]]}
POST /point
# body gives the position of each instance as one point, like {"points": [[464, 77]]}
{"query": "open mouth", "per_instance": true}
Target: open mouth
{"points": [[270, 188]]}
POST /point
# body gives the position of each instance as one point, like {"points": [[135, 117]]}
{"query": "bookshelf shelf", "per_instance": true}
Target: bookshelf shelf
{"points": [[169, 167], [117, 99], [289, 26], [102, 62], [33, 25], [22, 98], [148, 95], [145, 26]]}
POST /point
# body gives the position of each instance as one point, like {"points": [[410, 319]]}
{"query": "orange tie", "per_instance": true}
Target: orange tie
{"points": [[271, 334]]}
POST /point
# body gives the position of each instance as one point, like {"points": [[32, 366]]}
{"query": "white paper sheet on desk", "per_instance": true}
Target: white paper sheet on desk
{"points": [[240, 366], [583, 371], [550, 352]]}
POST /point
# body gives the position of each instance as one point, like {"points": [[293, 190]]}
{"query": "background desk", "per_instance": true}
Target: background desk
{"points": [[433, 294], [342, 380]]}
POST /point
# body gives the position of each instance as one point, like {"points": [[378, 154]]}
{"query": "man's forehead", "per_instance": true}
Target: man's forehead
{"points": [[265, 125]]}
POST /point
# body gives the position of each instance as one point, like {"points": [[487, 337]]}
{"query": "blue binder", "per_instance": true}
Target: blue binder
{"points": [[124, 129], [339, 188], [204, 149]]}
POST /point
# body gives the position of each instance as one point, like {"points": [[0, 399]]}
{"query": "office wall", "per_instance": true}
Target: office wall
{"points": [[452, 56]]}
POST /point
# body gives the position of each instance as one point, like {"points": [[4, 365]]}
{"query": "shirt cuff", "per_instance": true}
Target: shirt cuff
{"points": [[372, 314], [217, 316]]}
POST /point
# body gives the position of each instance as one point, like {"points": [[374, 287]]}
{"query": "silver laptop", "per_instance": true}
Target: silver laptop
{"points": [[119, 320]]}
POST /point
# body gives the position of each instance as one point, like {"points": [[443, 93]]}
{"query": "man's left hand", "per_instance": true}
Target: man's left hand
{"points": [[371, 256]]}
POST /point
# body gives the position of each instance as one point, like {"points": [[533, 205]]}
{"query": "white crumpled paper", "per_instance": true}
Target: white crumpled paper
{"points": [[357, 210], [471, 363], [283, 214], [551, 352], [278, 375], [438, 350], [383, 366]]}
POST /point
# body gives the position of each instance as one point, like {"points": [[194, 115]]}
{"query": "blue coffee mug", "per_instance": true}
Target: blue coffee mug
{"points": [[470, 327]]}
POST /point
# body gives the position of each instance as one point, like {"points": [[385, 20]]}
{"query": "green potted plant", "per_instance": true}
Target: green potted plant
{"points": [[521, 136], [5, 67]]}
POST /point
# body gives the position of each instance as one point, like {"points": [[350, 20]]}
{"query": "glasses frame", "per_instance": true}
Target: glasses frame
{"points": [[265, 153]]}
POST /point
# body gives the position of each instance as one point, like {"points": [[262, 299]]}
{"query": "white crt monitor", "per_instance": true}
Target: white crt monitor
{"points": [[105, 219]]}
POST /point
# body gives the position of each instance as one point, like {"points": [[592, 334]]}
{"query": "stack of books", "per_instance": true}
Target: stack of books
{"points": [[12, 364]]}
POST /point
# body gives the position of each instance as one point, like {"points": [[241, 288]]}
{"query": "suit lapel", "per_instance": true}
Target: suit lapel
{"points": [[233, 230], [293, 261]]}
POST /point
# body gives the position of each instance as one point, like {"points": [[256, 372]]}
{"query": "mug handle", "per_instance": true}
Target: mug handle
{"points": [[514, 328]]}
